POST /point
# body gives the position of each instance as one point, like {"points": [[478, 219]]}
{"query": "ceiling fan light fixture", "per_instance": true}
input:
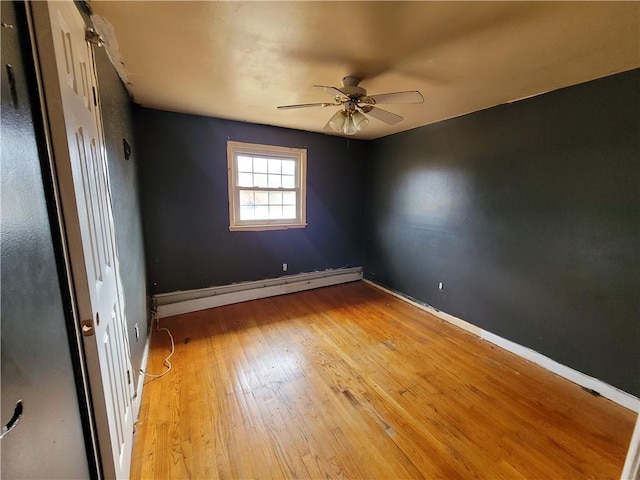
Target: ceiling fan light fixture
{"points": [[337, 122], [360, 120], [356, 103], [350, 127]]}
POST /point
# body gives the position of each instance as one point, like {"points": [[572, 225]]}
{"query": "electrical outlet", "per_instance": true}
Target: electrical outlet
{"points": [[441, 286], [135, 328], [284, 267]]}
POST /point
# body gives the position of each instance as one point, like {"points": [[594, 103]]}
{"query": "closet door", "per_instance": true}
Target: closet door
{"points": [[44, 438], [73, 108]]}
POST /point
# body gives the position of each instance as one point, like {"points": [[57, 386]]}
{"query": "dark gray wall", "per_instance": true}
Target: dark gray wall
{"points": [[123, 179], [529, 214], [36, 362], [185, 210]]}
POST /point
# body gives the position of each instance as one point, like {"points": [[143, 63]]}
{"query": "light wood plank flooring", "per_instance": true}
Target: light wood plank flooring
{"points": [[349, 382]]}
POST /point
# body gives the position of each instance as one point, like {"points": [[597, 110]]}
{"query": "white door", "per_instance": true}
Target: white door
{"points": [[75, 122]]}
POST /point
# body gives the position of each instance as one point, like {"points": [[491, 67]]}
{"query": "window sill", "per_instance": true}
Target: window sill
{"points": [[260, 228]]}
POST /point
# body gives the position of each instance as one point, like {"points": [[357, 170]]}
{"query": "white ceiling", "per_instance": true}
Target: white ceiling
{"points": [[239, 60]]}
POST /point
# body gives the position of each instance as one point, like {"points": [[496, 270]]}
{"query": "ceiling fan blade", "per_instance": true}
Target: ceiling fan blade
{"points": [[332, 90], [306, 105], [399, 97], [383, 115]]}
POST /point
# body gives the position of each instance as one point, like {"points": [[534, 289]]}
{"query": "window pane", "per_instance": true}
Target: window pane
{"points": [[274, 165], [246, 213], [288, 167], [275, 211], [275, 181], [289, 198], [246, 197], [262, 198], [245, 164], [289, 212], [275, 198], [288, 181], [260, 165], [262, 212], [269, 186], [245, 180], [260, 180]]}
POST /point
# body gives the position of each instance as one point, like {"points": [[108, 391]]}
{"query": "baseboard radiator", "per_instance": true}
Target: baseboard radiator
{"points": [[186, 301]]}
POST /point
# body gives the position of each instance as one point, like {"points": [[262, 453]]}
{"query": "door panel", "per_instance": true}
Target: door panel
{"points": [[74, 116]]}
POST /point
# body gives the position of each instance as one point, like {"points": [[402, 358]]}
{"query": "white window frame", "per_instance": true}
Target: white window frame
{"points": [[299, 155]]}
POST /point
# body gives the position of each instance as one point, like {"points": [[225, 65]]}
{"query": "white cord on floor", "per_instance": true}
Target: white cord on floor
{"points": [[167, 363]]}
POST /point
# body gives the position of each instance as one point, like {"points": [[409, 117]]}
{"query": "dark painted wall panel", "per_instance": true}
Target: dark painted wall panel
{"points": [[48, 441], [183, 167], [123, 179], [529, 214]]}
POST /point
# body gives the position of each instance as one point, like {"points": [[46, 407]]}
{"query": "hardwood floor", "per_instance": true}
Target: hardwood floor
{"points": [[350, 382]]}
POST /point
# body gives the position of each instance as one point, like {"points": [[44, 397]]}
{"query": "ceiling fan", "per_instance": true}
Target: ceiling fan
{"points": [[355, 103]]}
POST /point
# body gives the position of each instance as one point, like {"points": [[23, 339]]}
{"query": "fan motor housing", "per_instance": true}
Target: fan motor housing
{"points": [[354, 92], [351, 88]]}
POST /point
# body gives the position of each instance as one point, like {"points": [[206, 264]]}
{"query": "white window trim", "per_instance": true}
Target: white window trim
{"points": [[297, 154]]}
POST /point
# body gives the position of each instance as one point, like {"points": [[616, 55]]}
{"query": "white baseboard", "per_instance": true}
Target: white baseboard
{"points": [[469, 327], [137, 401], [177, 303], [612, 393]]}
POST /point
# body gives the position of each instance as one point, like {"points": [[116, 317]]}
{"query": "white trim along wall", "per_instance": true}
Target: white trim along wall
{"points": [[177, 303], [612, 393], [137, 400]]}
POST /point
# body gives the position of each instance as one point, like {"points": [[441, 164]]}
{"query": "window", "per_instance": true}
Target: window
{"points": [[267, 187]]}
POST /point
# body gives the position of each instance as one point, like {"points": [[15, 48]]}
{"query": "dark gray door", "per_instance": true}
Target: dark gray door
{"points": [[47, 441]]}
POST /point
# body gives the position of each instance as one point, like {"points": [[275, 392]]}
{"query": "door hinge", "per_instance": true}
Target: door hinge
{"points": [[95, 97], [129, 377], [93, 37]]}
